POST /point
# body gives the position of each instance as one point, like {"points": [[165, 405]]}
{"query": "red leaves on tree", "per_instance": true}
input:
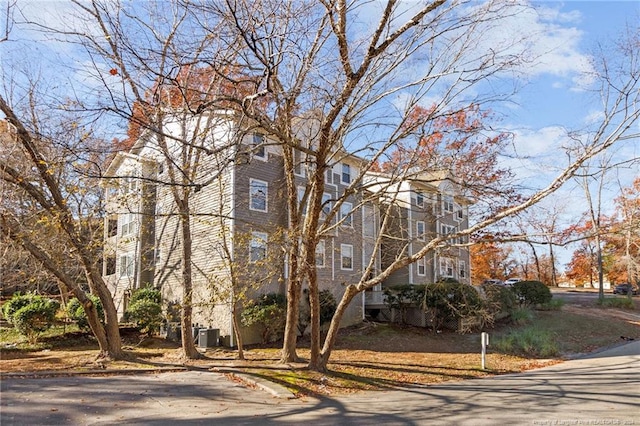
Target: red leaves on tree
{"points": [[113, 71], [456, 141], [194, 90]]}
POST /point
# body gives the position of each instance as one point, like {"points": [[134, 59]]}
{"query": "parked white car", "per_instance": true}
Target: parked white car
{"points": [[511, 281]]}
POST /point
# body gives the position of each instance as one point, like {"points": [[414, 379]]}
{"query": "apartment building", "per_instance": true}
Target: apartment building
{"points": [[238, 220], [420, 208]]}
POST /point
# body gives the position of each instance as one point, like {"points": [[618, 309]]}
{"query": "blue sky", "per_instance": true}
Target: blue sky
{"points": [[553, 100]]}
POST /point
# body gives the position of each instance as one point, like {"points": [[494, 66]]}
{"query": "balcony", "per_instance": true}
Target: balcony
{"points": [[374, 298]]}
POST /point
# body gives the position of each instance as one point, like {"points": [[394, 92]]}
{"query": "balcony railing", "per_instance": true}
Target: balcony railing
{"points": [[375, 297]]}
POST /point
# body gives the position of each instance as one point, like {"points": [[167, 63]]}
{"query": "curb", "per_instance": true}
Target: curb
{"points": [[278, 391]]}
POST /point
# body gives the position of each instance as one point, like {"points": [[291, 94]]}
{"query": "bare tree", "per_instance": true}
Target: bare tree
{"points": [[340, 79], [44, 175], [336, 83]]}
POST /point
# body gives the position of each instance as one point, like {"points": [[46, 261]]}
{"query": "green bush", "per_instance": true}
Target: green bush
{"points": [[269, 311], [328, 306], [30, 314], [147, 293], [75, 311], [499, 299], [145, 310], [14, 304], [532, 293], [531, 341], [453, 299], [402, 297], [448, 300]]}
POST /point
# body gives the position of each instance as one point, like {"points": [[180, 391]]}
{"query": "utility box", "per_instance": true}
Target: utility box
{"points": [[208, 337]]}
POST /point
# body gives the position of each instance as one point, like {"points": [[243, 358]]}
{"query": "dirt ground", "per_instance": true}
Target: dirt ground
{"points": [[368, 356]]}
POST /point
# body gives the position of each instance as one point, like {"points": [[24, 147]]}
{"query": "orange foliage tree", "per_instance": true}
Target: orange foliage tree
{"points": [[490, 260], [460, 142], [622, 243]]}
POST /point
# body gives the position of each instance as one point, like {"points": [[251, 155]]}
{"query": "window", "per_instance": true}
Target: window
{"points": [[127, 224], [297, 163], [258, 195], [258, 147], [462, 269], [447, 203], [328, 176], [346, 174], [447, 229], [110, 265], [129, 185], [460, 213], [346, 257], [126, 265], [345, 214], [420, 230], [326, 204], [258, 246], [421, 266], [320, 254], [419, 199], [446, 267], [112, 227], [158, 256], [301, 191], [160, 168]]}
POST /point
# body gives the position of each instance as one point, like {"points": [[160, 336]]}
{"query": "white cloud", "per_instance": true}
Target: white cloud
{"points": [[536, 156], [550, 36]]}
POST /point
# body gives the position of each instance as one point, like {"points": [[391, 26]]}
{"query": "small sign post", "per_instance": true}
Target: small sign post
{"points": [[485, 342]]}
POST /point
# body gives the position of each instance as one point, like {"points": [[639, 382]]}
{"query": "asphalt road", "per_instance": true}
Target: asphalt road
{"points": [[603, 389], [582, 297]]}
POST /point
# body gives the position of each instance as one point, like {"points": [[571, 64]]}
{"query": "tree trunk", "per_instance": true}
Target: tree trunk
{"points": [[289, 345], [112, 326], [188, 344], [314, 302], [321, 363], [236, 330]]}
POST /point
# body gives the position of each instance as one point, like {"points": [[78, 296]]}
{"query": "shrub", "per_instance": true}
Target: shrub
{"points": [[328, 306], [401, 297], [30, 314], [145, 309], [146, 293], [453, 299], [499, 299], [448, 300], [531, 341], [14, 304], [269, 311], [75, 311], [532, 293]]}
